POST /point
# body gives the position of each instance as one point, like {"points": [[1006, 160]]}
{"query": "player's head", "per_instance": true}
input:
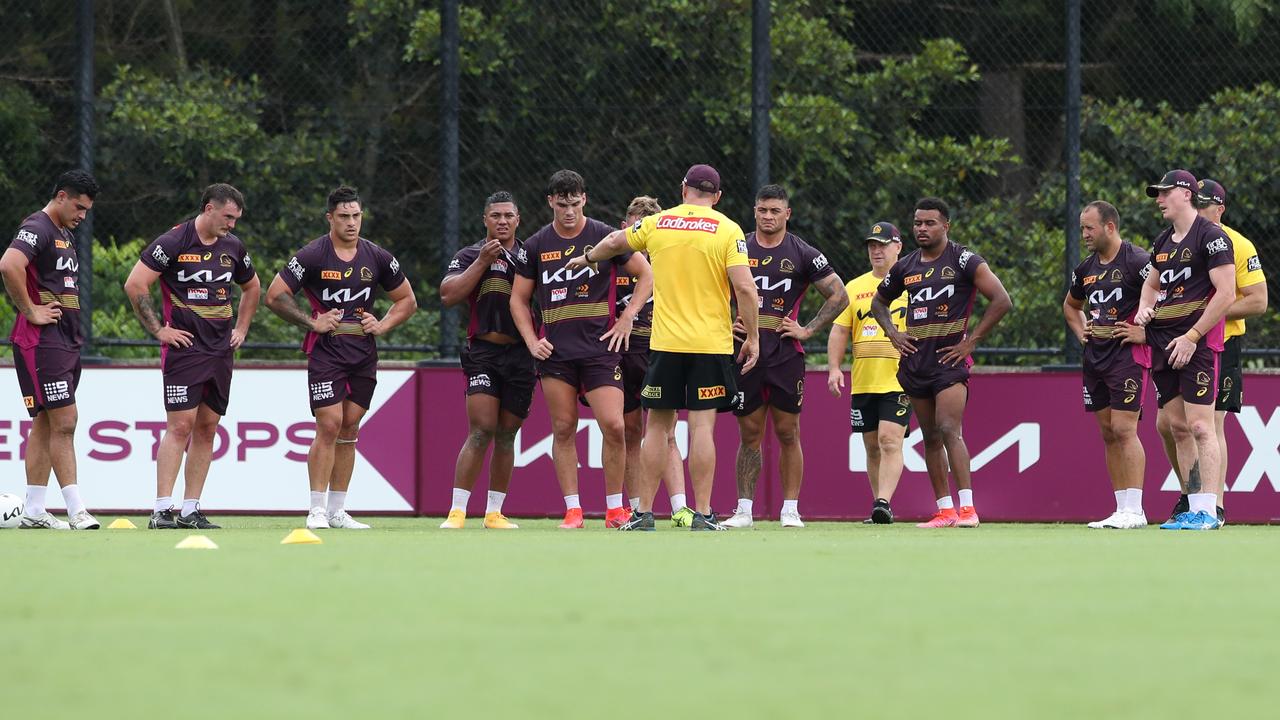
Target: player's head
{"points": [[1174, 193], [884, 244], [345, 214], [1099, 225], [73, 194], [931, 222], [701, 186], [641, 207], [501, 216], [1211, 200], [567, 195], [772, 210], [221, 205]]}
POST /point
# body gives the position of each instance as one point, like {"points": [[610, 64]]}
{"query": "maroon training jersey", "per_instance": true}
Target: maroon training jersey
{"points": [[1111, 292], [642, 327], [331, 283], [490, 301], [196, 283], [940, 295], [782, 275], [52, 275], [577, 305], [1185, 287]]}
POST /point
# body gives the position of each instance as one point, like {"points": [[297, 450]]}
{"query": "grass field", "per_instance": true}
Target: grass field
{"points": [[841, 620]]}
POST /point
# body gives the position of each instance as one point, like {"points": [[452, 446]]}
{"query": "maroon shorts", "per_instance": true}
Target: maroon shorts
{"points": [[1195, 383], [1119, 384], [585, 374], [780, 386], [329, 384], [929, 383], [47, 377], [634, 367], [502, 371], [192, 378]]}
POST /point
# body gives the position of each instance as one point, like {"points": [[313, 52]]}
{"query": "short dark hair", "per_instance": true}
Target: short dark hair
{"points": [[219, 193], [933, 203], [76, 182], [566, 182], [342, 194], [501, 196], [771, 192], [1106, 212]]}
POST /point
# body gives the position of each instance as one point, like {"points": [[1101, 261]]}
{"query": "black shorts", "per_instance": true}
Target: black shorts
{"points": [[1120, 384], [1230, 377], [933, 381], [47, 377], [1195, 383], [506, 372], [585, 374], [330, 384], [780, 386], [868, 410], [193, 378], [692, 381], [634, 367]]}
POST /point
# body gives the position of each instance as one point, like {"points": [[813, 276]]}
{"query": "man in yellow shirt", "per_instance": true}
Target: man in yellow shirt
{"points": [[698, 256], [880, 411]]}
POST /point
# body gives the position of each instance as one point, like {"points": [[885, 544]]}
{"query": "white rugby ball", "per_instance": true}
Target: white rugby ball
{"points": [[11, 507]]}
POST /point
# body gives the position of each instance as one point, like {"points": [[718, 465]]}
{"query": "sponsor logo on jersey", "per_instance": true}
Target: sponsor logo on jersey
{"points": [[1089, 280], [711, 393], [1253, 264], [964, 258], [558, 294], [55, 391], [197, 293], [752, 262], [653, 392], [160, 256], [394, 266], [68, 282], [820, 262], [189, 257], [222, 293], [28, 237], [203, 276], [942, 310], [29, 401], [870, 330], [623, 280], [707, 225], [1217, 245], [742, 246], [617, 372], [930, 273], [497, 266], [920, 313], [455, 264], [584, 290], [569, 250], [295, 267], [779, 303], [910, 279], [549, 256], [1161, 257], [67, 263], [175, 394], [480, 380], [61, 244], [322, 390], [330, 275]]}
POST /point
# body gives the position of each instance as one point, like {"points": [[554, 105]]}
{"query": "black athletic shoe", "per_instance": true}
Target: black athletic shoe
{"points": [[868, 521], [642, 521], [1182, 506], [162, 520], [196, 521], [705, 522], [1222, 517], [881, 513]]}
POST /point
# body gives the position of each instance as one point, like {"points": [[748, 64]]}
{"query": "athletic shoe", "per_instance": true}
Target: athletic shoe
{"points": [[881, 513], [317, 519], [739, 519], [705, 522], [498, 521], [84, 521], [868, 521], [1118, 520], [1137, 520], [967, 517], [196, 521], [455, 521], [682, 518], [43, 521], [162, 520], [944, 518], [1201, 521], [640, 521], [572, 519], [791, 520], [1222, 517], [1176, 522], [615, 518], [1182, 506], [341, 520]]}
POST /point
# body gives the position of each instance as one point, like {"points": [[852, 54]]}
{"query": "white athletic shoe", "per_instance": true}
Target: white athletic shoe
{"points": [[792, 520], [739, 520], [43, 521], [344, 521], [84, 521], [1119, 520], [317, 519], [1136, 520]]}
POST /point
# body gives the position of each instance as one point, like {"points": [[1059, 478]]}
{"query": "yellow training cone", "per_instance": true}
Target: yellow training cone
{"points": [[301, 536], [196, 542], [122, 524]]}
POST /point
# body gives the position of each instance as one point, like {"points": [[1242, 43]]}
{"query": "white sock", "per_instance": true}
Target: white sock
{"points": [[744, 505], [163, 504], [189, 506], [944, 503], [317, 499], [791, 506], [495, 502], [71, 494], [460, 499], [613, 502], [571, 502], [1122, 500], [634, 503], [337, 500], [35, 500], [1133, 502], [1207, 502], [678, 501], [966, 498]]}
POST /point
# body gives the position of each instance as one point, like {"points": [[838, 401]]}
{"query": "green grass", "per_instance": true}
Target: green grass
{"points": [[837, 619]]}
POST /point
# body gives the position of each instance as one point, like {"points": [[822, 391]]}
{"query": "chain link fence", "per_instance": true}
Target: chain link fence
{"points": [[872, 104]]}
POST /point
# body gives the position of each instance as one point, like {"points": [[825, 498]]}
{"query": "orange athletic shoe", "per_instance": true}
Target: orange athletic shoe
{"points": [[616, 517], [572, 519], [944, 518], [968, 517]]}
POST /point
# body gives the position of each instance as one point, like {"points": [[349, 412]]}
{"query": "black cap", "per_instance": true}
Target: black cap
{"points": [[1211, 192], [885, 233], [1173, 179]]}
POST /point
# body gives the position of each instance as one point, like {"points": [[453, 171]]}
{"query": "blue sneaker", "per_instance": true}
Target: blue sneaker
{"points": [[1201, 521], [1179, 521]]}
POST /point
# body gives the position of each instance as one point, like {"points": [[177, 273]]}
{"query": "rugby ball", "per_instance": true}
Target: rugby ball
{"points": [[11, 507]]}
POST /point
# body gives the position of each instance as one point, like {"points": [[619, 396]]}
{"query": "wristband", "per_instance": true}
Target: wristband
{"points": [[1195, 339], [586, 255]]}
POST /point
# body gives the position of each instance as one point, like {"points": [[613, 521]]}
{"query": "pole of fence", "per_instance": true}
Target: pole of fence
{"points": [[449, 176], [1071, 346], [84, 157], [761, 70]]}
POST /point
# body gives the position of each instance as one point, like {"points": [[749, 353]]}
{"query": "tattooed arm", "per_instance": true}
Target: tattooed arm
{"points": [[138, 289], [280, 300]]}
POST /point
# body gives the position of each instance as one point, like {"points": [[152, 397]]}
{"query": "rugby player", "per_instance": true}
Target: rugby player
{"points": [[940, 279], [879, 410], [498, 367], [197, 263], [41, 275], [1109, 282], [338, 271], [698, 256], [578, 348], [783, 266]]}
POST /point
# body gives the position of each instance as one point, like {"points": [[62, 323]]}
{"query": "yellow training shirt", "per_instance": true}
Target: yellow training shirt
{"points": [[1248, 272], [690, 248], [875, 360]]}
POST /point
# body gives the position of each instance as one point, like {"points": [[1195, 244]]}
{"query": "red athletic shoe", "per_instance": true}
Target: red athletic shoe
{"points": [[616, 517], [944, 518], [968, 517], [572, 519]]}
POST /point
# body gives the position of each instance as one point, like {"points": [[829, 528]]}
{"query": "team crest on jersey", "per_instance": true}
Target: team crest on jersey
{"points": [[1130, 385], [786, 266], [1186, 255], [1202, 378], [189, 257], [948, 272], [225, 260], [330, 275], [366, 275], [1226, 383], [1116, 276]]}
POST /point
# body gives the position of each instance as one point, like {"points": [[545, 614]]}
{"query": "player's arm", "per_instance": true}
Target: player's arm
{"points": [[1251, 303], [837, 341], [280, 301], [837, 299], [458, 286], [250, 296], [13, 268], [1147, 300], [615, 243], [1073, 311], [403, 305], [619, 336], [998, 303], [521, 296], [744, 290], [1183, 347], [900, 340], [137, 287]]}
